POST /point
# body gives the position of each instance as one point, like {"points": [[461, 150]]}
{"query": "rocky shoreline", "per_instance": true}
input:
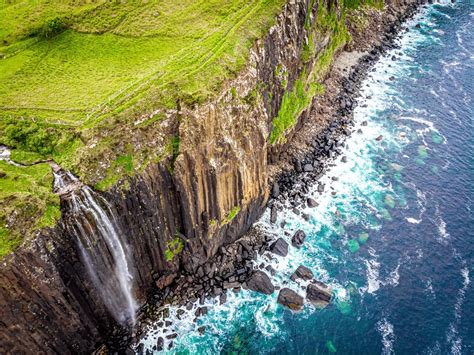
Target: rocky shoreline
{"points": [[233, 267]]}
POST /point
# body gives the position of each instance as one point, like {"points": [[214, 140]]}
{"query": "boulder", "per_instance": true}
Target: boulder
{"points": [[298, 238], [311, 202], [318, 293], [290, 299], [260, 282], [280, 247], [273, 214], [275, 190], [308, 168], [302, 272]]}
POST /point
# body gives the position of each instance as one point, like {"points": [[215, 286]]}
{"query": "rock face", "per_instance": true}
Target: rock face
{"points": [[206, 197], [290, 299], [279, 247], [303, 273], [318, 293], [260, 282]]}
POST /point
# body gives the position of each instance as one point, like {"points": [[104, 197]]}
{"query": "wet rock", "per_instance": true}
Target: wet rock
{"points": [[318, 293], [290, 299], [298, 238], [280, 247], [311, 202], [260, 282], [320, 188], [160, 343], [302, 272], [275, 190], [273, 214], [172, 336], [201, 330], [223, 298]]}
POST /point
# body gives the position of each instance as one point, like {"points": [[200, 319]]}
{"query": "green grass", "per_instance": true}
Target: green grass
{"points": [[27, 202], [116, 55], [231, 215]]}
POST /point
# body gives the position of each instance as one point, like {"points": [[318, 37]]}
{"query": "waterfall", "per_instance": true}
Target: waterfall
{"points": [[104, 252]]}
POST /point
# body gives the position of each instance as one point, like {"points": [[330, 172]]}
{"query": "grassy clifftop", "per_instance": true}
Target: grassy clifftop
{"points": [[78, 78]]}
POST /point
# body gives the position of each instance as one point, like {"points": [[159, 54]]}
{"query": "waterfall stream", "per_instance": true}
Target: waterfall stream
{"points": [[101, 243]]}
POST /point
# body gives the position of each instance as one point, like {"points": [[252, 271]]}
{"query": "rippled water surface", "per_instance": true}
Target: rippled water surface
{"points": [[396, 242]]}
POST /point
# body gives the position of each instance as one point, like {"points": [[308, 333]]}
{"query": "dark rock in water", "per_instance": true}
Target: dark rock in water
{"points": [[379, 138], [223, 298], [364, 123], [344, 159], [270, 270], [160, 342], [280, 247], [273, 214], [298, 238], [318, 293], [320, 188], [260, 282], [172, 336], [306, 217], [308, 168], [418, 25], [302, 272], [275, 190], [201, 330], [311, 202], [290, 299]]}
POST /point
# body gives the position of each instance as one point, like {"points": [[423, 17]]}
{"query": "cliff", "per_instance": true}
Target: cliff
{"points": [[178, 211]]}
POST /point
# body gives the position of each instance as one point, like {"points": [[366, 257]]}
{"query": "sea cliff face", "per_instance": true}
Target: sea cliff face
{"points": [[177, 213]]}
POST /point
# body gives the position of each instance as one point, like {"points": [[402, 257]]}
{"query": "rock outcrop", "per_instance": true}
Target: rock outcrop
{"points": [[260, 282], [303, 273], [279, 247], [290, 299], [318, 293]]}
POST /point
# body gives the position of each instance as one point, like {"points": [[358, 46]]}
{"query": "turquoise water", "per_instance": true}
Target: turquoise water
{"points": [[396, 242]]}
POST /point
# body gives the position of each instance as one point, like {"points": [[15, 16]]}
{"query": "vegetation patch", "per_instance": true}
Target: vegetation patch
{"points": [[27, 203], [296, 100], [174, 248], [231, 215]]}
